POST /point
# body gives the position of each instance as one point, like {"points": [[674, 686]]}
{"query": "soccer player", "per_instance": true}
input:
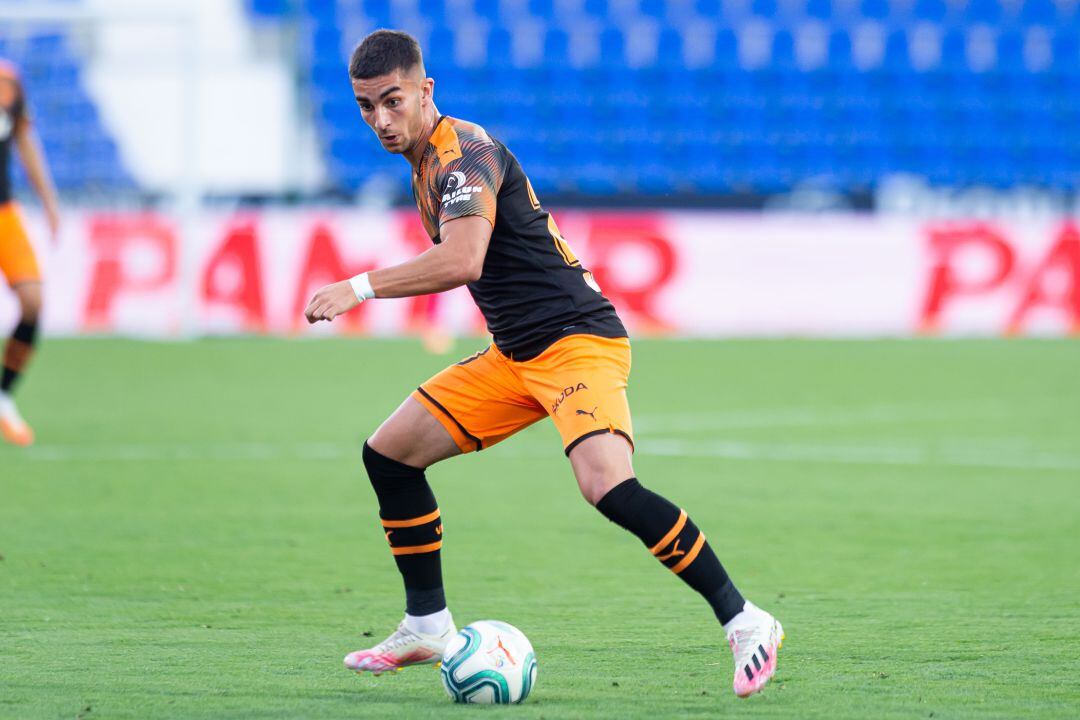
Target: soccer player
{"points": [[559, 350], [17, 261]]}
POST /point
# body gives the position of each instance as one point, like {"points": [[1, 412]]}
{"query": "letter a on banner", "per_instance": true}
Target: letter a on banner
{"points": [[233, 276], [323, 265], [1055, 283]]}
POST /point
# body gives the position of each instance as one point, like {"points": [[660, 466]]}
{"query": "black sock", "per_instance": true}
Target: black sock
{"points": [[17, 352], [675, 541], [413, 527]]}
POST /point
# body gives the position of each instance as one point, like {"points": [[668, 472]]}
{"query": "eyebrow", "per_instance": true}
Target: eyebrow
{"points": [[384, 93]]}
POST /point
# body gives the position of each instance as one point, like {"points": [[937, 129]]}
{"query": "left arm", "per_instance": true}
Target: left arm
{"points": [[456, 261], [37, 171]]}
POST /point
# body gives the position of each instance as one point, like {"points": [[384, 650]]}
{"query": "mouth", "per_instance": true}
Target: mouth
{"points": [[389, 139]]}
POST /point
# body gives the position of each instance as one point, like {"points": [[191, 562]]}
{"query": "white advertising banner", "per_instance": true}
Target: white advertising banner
{"points": [[684, 273]]}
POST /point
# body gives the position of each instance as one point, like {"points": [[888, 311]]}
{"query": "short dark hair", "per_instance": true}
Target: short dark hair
{"points": [[384, 51]]}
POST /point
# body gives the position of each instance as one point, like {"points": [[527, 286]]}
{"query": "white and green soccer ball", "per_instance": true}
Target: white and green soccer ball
{"points": [[489, 662]]}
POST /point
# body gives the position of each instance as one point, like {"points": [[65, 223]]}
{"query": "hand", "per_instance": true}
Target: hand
{"points": [[331, 301]]}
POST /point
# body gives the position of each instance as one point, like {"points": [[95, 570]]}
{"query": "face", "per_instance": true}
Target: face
{"points": [[393, 106]]}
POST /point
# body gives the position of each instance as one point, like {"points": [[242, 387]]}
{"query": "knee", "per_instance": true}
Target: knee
{"points": [[596, 482], [382, 468], [30, 307]]}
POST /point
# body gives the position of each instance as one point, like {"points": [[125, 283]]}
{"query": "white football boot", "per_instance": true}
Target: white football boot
{"points": [[755, 636], [404, 647]]}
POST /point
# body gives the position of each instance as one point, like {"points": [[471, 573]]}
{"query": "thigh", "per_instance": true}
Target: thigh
{"points": [[581, 381], [18, 263], [413, 436], [479, 401]]}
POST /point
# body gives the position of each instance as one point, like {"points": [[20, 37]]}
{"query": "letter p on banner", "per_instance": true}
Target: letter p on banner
{"points": [[958, 251], [130, 255]]}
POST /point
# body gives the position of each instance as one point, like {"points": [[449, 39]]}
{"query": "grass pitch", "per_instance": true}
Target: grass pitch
{"points": [[194, 537]]}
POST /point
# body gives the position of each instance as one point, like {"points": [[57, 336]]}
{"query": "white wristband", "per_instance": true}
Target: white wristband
{"points": [[362, 287]]}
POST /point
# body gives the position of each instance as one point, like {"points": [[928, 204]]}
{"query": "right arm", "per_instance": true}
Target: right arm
{"points": [[456, 261]]}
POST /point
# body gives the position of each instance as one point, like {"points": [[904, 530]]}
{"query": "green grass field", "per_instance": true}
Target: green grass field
{"points": [[194, 535]]}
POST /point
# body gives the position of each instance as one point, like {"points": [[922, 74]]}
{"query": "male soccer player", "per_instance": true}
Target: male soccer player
{"points": [[17, 261], [559, 351]]}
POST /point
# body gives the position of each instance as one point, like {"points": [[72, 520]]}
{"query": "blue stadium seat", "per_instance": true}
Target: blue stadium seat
{"points": [[819, 9], [954, 50], [669, 48], [726, 49], [982, 11], [933, 10], [874, 9], [1038, 12]]}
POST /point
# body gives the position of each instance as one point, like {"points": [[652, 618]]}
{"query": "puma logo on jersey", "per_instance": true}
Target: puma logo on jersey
{"points": [[586, 412]]}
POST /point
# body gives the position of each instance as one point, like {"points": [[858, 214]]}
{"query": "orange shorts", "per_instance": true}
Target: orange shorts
{"points": [[17, 260], [580, 381]]}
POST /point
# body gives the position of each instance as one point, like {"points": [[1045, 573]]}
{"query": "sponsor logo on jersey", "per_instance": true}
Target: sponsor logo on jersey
{"points": [[567, 392], [457, 190], [456, 180]]}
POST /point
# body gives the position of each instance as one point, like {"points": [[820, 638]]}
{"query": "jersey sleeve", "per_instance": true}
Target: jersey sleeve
{"points": [[470, 184]]}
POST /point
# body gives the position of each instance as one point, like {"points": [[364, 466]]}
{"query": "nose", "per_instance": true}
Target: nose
{"points": [[382, 119]]}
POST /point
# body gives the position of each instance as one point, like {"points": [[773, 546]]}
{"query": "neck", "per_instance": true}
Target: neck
{"points": [[416, 153]]}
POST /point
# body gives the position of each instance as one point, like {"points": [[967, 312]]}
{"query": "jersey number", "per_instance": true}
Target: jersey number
{"points": [[561, 245]]}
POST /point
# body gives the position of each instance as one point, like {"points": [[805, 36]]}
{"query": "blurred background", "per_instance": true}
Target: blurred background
{"points": [[746, 167]]}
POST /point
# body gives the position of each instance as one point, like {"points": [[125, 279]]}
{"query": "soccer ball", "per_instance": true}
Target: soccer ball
{"points": [[489, 662]]}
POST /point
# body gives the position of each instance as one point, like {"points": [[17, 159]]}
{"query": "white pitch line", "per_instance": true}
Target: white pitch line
{"points": [[860, 454], [787, 417], [151, 452], [956, 455]]}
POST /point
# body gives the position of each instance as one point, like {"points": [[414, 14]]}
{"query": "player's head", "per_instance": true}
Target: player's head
{"points": [[391, 87]]}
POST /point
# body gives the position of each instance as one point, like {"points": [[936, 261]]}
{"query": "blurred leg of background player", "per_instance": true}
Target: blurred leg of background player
{"points": [[17, 353], [19, 265]]}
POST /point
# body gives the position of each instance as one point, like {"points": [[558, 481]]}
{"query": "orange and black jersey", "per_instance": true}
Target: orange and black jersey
{"points": [[12, 114], [533, 290]]}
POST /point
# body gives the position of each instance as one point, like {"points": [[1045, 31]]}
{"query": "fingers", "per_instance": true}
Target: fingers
{"points": [[323, 310], [329, 302], [314, 311]]}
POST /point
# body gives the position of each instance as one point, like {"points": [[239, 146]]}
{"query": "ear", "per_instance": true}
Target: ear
{"points": [[427, 90]]}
